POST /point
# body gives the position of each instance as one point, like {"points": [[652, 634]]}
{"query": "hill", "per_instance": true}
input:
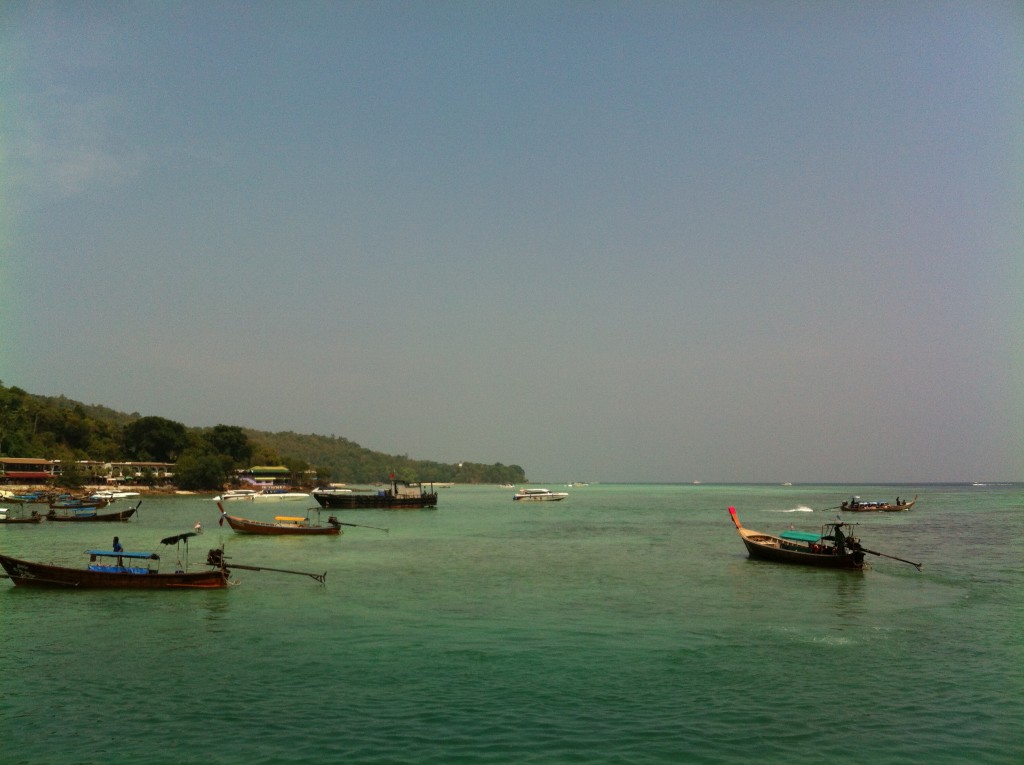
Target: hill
{"points": [[60, 428]]}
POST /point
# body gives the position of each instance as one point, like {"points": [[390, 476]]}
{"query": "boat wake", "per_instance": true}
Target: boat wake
{"points": [[801, 509]]}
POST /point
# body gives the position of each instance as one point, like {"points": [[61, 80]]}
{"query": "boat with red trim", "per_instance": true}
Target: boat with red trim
{"points": [[119, 570]]}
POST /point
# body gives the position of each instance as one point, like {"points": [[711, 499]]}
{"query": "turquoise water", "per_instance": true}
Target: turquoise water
{"points": [[623, 625]]}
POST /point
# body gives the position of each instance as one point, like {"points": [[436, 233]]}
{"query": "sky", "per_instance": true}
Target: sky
{"points": [[604, 241]]}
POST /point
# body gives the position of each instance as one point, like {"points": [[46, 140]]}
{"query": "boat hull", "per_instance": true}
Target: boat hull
{"points": [[385, 501], [28, 574], [122, 515], [877, 507], [768, 550], [246, 526]]}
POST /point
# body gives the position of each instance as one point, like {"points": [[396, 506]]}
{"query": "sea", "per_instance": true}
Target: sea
{"points": [[625, 624]]}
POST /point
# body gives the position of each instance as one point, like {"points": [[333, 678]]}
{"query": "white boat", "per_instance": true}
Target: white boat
{"points": [[110, 496], [266, 495], [539, 495]]}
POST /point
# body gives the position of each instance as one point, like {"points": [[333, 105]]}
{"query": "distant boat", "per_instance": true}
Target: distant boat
{"points": [[539, 495], [251, 495], [110, 496], [283, 525], [401, 496], [856, 505], [67, 502]]}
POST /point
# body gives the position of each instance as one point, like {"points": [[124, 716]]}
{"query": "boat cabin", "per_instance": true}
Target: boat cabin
{"points": [[137, 562]]}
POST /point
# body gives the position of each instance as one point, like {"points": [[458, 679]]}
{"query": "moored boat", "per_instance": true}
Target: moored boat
{"points": [[77, 503], [109, 569], [857, 505], [264, 495], [111, 496], [84, 514], [236, 495], [831, 548], [6, 516], [282, 525], [401, 496], [539, 495]]}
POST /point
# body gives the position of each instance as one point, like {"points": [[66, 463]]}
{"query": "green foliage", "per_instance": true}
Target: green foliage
{"points": [[155, 439], [72, 477], [59, 428], [345, 461], [199, 470], [230, 440]]}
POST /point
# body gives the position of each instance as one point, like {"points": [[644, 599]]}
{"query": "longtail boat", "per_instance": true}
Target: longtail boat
{"points": [[77, 503], [401, 496], [120, 570], [115, 570], [90, 514], [34, 516], [856, 505], [281, 525], [829, 549]]}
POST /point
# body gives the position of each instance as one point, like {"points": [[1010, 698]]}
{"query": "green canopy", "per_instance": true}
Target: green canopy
{"points": [[801, 536]]}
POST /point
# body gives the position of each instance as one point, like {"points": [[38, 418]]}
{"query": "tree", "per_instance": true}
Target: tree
{"points": [[197, 470], [71, 475], [231, 440], [155, 439]]}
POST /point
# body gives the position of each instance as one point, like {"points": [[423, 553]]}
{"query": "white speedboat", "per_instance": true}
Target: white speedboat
{"points": [[539, 495], [110, 496], [264, 495]]}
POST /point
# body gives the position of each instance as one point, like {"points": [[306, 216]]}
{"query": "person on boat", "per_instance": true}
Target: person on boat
{"points": [[117, 545], [840, 540]]}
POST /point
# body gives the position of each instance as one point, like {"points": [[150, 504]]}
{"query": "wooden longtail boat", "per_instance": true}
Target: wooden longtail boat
{"points": [[111, 570], [134, 571], [401, 496], [829, 549], [34, 516], [855, 505], [282, 525], [90, 514]]}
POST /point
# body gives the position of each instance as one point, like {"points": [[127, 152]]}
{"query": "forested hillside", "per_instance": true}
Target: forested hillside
{"points": [[62, 429]]}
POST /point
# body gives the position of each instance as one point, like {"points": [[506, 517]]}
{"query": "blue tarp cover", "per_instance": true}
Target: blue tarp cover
{"points": [[801, 536], [119, 569]]}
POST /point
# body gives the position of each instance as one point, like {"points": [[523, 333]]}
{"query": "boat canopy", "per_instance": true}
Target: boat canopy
{"points": [[289, 518], [112, 554], [801, 536]]}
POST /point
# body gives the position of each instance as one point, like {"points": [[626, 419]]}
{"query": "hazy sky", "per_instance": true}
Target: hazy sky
{"points": [[606, 241]]}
